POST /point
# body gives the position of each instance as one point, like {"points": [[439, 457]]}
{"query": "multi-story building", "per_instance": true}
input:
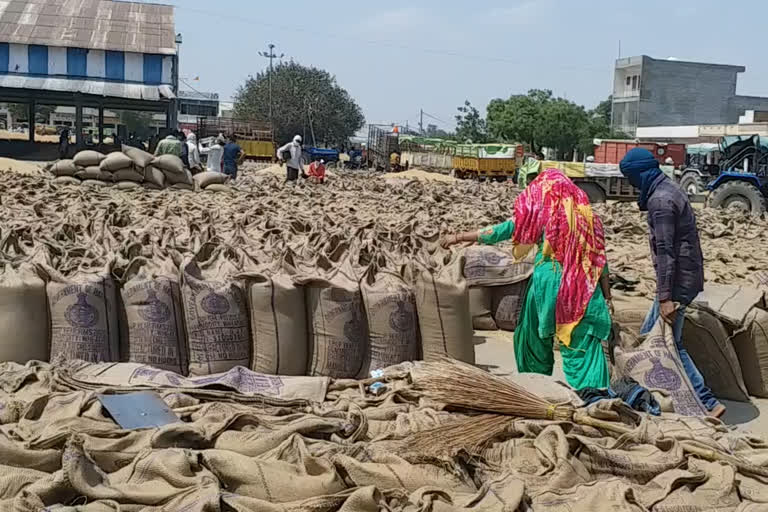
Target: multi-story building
{"points": [[88, 54], [654, 92]]}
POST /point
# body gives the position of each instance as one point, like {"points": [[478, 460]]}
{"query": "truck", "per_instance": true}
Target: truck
{"points": [[382, 142], [487, 161], [609, 151], [256, 138]]}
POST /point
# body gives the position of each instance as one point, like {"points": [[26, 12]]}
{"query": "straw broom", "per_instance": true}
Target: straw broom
{"points": [[463, 386]]}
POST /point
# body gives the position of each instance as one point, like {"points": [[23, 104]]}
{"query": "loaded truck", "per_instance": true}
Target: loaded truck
{"points": [[487, 161], [255, 138]]}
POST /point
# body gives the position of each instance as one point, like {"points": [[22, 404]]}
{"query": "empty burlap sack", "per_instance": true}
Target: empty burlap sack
{"points": [[492, 266], [751, 345], [182, 186], [95, 183], [708, 344], [23, 315], [279, 343], [83, 311], [64, 168], [94, 173], [730, 303], [154, 178], [66, 180], [338, 331], [655, 365], [129, 175], [206, 178], [390, 310], [506, 303], [140, 158], [215, 315], [630, 312], [116, 161], [169, 164], [88, 158], [127, 185], [225, 189], [184, 178], [480, 301], [442, 303], [151, 316]]}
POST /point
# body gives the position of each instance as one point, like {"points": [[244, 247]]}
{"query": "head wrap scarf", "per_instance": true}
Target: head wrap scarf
{"points": [[554, 208], [641, 169]]}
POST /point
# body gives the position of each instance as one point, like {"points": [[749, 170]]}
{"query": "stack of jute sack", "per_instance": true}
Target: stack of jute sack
{"points": [[221, 308], [725, 333], [133, 168]]}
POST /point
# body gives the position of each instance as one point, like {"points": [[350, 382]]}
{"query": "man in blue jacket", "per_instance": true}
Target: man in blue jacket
{"points": [[677, 256]]}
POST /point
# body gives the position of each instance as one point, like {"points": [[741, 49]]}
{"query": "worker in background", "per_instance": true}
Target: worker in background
{"points": [[316, 172], [568, 297], [89, 140], [215, 152], [231, 157], [677, 256], [171, 145], [394, 162], [64, 143], [184, 148], [290, 154], [195, 164]]}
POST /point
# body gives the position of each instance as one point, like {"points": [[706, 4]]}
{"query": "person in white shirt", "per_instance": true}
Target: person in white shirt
{"points": [[293, 162], [195, 165], [215, 153]]}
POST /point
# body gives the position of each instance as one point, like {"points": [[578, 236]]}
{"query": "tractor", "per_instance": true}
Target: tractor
{"points": [[743, 179]]}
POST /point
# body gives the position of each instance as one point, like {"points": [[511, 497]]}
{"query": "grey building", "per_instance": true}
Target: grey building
{"points": [[655, 92]]}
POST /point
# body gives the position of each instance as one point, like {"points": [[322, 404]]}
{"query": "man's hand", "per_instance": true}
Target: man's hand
{"points": [[668, 311]]}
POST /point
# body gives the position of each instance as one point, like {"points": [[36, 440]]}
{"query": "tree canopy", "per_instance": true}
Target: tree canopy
{"points": [[304, 99], [470, 125]]}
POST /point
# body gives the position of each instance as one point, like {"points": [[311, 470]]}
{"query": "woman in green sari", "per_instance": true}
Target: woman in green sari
{"points": [[568, 296]]}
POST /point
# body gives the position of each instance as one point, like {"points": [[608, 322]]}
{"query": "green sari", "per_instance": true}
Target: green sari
{"points": [[584, 360]]}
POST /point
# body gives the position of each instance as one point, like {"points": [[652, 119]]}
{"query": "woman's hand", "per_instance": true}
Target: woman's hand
{"points": [[448, 241]]}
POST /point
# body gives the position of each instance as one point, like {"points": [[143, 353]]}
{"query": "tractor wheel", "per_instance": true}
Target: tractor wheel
{"points": [[594, 192], [738, 195], [692, 184]]}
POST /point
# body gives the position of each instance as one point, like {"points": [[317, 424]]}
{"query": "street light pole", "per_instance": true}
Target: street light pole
{"points": [[271, 56]]}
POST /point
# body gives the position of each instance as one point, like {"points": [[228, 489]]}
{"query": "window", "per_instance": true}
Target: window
{"points": [[634, 83], [153, 69], [629, 81], [77, 62], [38, 59], [115, 65], [4, 57]]}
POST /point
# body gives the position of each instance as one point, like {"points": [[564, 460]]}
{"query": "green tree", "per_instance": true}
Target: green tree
{"points": [[470, 125], [563, 125], [305, 99], [519, 118]]}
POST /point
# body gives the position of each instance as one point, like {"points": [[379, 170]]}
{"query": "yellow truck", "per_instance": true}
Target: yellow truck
{"points": [[255, 138], [487, 161]]}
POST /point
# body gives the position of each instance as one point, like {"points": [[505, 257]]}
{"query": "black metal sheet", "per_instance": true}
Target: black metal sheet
{"points": [[143, 409]]}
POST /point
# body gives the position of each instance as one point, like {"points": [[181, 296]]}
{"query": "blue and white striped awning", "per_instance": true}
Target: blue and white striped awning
{"points": [[91, 87]]}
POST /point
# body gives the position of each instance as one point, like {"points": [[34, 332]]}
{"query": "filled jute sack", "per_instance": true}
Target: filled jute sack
{"points": [[751, 345], [442, 303], [64, 168], [127, 185], [338, 331], [139, 157], [279, 335], [184, 178], [94, 173], [206, 178], [154, 178], [116, 161], [88, 158], [730, 303], [221, 189], [630, 311], [215, 315], [506, 303], [24, 323], [654, 364], [480, 303], [707, 342], [95, 183], [169, 164], [393, 325], [151, 315], [131, 174], [83, 312], [66, 180], [493, 266]]}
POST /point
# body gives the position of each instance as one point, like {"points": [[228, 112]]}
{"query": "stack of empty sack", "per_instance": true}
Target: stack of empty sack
{"points": [[218, 310], [725, 333], [134, 168]]}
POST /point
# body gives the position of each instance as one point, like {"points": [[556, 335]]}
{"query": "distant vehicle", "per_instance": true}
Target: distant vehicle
{"points": [[312, 154], [255, 138], [497, 162], [701, 166], [612, 151], [742, 182]]}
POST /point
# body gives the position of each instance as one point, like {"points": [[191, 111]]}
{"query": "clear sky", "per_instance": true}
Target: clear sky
{"points": [[397, 57]]}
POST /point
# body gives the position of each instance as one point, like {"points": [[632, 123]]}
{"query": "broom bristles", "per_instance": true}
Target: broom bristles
{"points": [[467, 434], [464, 386]]}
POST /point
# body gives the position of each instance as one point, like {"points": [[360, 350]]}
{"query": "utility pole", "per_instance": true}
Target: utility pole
{"points": [[271, 56], [421, 121]]}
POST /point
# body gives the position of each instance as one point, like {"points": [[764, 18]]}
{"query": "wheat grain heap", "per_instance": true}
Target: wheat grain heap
{"points": [[250, 442]]}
